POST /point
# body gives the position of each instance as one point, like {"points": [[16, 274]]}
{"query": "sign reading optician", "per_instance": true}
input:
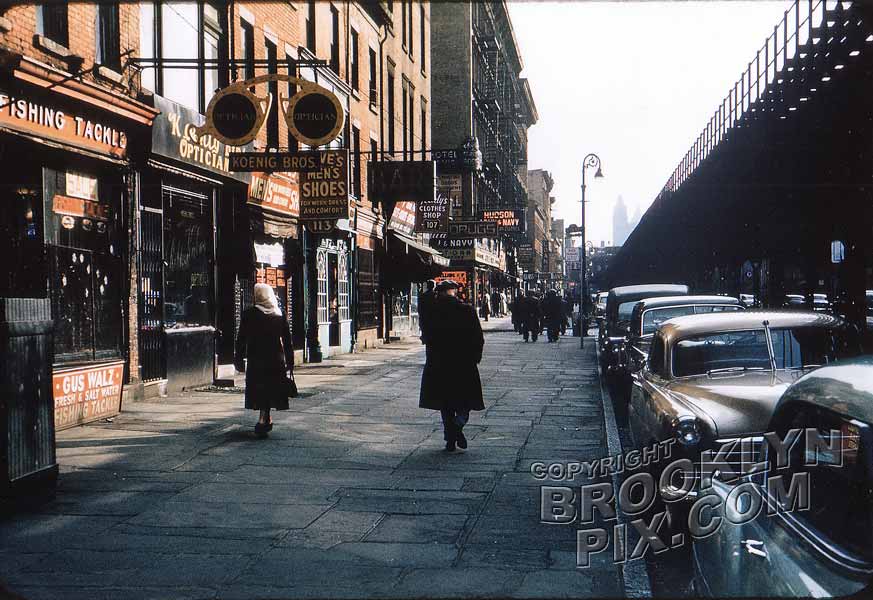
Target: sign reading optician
{"points": [[86, 394], [235, 114]]}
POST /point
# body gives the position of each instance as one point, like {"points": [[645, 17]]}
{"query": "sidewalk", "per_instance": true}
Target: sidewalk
{"points": [[351, 496]]}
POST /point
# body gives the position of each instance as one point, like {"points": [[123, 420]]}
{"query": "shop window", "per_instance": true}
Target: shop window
{"points": [[23, 268], [188, 249], [52, 22], [323, 315], [368, 291], [86, 267], [333, 298], [343, 287], [108, 39]]}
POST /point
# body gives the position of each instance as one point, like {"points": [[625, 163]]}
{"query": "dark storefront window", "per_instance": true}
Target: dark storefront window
{"points": [[22, 270], [86, 267], [188, 248]]}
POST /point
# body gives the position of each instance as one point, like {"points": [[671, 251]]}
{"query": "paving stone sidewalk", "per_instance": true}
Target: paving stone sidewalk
{"points": [[351, 496]]}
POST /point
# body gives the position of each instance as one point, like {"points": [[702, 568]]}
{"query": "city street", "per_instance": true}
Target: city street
{"points": [[352, 495]]}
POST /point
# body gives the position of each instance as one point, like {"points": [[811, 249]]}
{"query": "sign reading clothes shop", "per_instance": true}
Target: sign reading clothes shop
{"points": [[175, 135], [86, 394], [44, 119]]}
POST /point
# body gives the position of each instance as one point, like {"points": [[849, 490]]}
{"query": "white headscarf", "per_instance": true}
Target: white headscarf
{"points": [[265, 300]]}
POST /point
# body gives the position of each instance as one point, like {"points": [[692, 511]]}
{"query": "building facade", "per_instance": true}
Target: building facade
{"points": [[482, 108], [137, 246], [539, 226]]}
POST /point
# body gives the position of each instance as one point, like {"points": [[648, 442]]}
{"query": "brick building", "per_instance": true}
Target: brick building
{"points": [[151, 243], [539, 221], [484, 105]]}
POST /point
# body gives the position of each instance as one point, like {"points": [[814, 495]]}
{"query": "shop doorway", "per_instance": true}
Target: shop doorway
{"points": [[151, 304]]}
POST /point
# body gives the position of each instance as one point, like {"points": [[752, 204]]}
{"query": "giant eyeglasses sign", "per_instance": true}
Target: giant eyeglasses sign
{"points": [[235, 114]]}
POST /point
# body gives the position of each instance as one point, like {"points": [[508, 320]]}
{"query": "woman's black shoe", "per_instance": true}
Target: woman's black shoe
{"points": [[262, 428], [462, 441]]}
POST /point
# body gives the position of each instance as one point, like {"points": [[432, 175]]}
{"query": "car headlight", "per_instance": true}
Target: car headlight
{"points": [[687, 430]]}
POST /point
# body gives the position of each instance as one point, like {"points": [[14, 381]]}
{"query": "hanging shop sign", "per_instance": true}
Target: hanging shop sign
{"points": [[176, 134], [459, 277], [403, 218], [235, 114], [451, 186], [432, 216], [526, 255], [572, 254], [324, 194], [411, 181], [43, 119], [279, 192], [270, 162], [86, 394], [473, 229], [509, 221]]}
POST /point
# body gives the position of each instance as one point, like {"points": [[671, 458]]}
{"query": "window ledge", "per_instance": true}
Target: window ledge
{"points": [[52, 47], [5, 25], [110, 74], [356, 94], [374, 108]]}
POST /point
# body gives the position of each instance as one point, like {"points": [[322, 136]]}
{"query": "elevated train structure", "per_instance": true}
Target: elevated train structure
{"points": [[775, 196]]}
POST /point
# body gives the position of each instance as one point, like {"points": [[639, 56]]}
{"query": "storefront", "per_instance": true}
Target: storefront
{"points": [[333, 256], [368, 314], [190, 252], [66, 149]]}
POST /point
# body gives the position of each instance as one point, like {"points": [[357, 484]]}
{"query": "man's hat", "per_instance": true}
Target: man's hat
{"points": [[447, 284]]}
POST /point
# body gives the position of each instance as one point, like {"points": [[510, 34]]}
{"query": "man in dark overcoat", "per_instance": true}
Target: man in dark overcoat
{"points": [[530, 317], [450, 382]]}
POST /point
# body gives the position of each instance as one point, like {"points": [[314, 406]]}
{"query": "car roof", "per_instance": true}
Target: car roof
{"points": [[845, 387], [660, 301], [691, 325], [628, 293]]}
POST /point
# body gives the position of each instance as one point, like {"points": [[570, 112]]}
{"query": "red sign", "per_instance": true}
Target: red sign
{"points": [[76, 207], [403, 218], [86, 394], [23, 114], [279, 192]]}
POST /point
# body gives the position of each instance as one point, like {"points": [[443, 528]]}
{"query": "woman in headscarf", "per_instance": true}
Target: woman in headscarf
{"points": [[265, 340]]}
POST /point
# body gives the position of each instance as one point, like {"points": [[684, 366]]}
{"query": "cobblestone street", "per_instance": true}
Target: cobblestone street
{"points": [[352, 495]]}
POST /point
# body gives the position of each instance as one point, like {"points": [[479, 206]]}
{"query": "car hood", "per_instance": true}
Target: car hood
{"points": [[737, 403]]}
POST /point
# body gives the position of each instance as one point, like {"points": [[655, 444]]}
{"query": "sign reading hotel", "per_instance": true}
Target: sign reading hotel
{"points": [[86, 394], [279, 192], [324, 194], [509, 221], [35, 118]]}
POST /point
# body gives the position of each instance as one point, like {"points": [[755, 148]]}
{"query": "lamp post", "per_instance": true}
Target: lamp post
{"points": [[593, 161]]}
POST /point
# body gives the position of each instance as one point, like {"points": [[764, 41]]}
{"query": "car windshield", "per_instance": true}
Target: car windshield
{"points": [[625, 309], [728, 350], [793, 348], [654, 317]]}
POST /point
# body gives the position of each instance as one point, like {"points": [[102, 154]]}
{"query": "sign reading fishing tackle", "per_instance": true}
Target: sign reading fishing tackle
{"points": [[86, 394]]}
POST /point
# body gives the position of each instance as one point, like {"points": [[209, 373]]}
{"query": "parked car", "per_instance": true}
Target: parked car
{"points": [[600, 304], [615, 325], [827, 549], [720, 375], [648, 314]]}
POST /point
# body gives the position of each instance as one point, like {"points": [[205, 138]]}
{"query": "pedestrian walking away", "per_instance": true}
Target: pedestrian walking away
{"points": [[553, 314], [485, 305], [529, 317], [265, 353], [450, 381]]}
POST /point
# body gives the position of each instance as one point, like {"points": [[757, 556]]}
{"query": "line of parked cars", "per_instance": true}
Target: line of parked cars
{"points": [[706, 371]]}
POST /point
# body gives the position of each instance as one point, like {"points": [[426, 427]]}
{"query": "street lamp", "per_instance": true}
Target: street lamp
{"points": [[593, 161]]}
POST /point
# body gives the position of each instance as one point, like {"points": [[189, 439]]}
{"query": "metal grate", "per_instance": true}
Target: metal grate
{"points": [[151, 292]]}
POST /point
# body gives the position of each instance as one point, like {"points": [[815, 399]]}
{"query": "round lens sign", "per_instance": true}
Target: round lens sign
{"points": [[315, 117], [234, 116]]}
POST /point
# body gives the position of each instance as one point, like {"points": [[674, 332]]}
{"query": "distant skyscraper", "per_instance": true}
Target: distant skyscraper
{"points": [[620, 224]]}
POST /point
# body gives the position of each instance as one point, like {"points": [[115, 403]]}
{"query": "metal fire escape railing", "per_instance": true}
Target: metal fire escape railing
{"points": [[810, 45]]}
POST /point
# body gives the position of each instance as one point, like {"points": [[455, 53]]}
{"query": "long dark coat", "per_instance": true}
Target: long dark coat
{"points": [[454, 347], [265, 340]]}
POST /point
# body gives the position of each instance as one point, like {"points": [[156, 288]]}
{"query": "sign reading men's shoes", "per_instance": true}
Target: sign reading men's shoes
{"points": [[324, 194]]}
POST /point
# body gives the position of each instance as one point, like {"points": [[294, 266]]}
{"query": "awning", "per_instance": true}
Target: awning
{"points": [[413, 243], [409, 261]]}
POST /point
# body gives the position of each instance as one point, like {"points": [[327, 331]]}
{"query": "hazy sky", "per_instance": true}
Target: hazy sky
{"points": [[633, 82]]}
